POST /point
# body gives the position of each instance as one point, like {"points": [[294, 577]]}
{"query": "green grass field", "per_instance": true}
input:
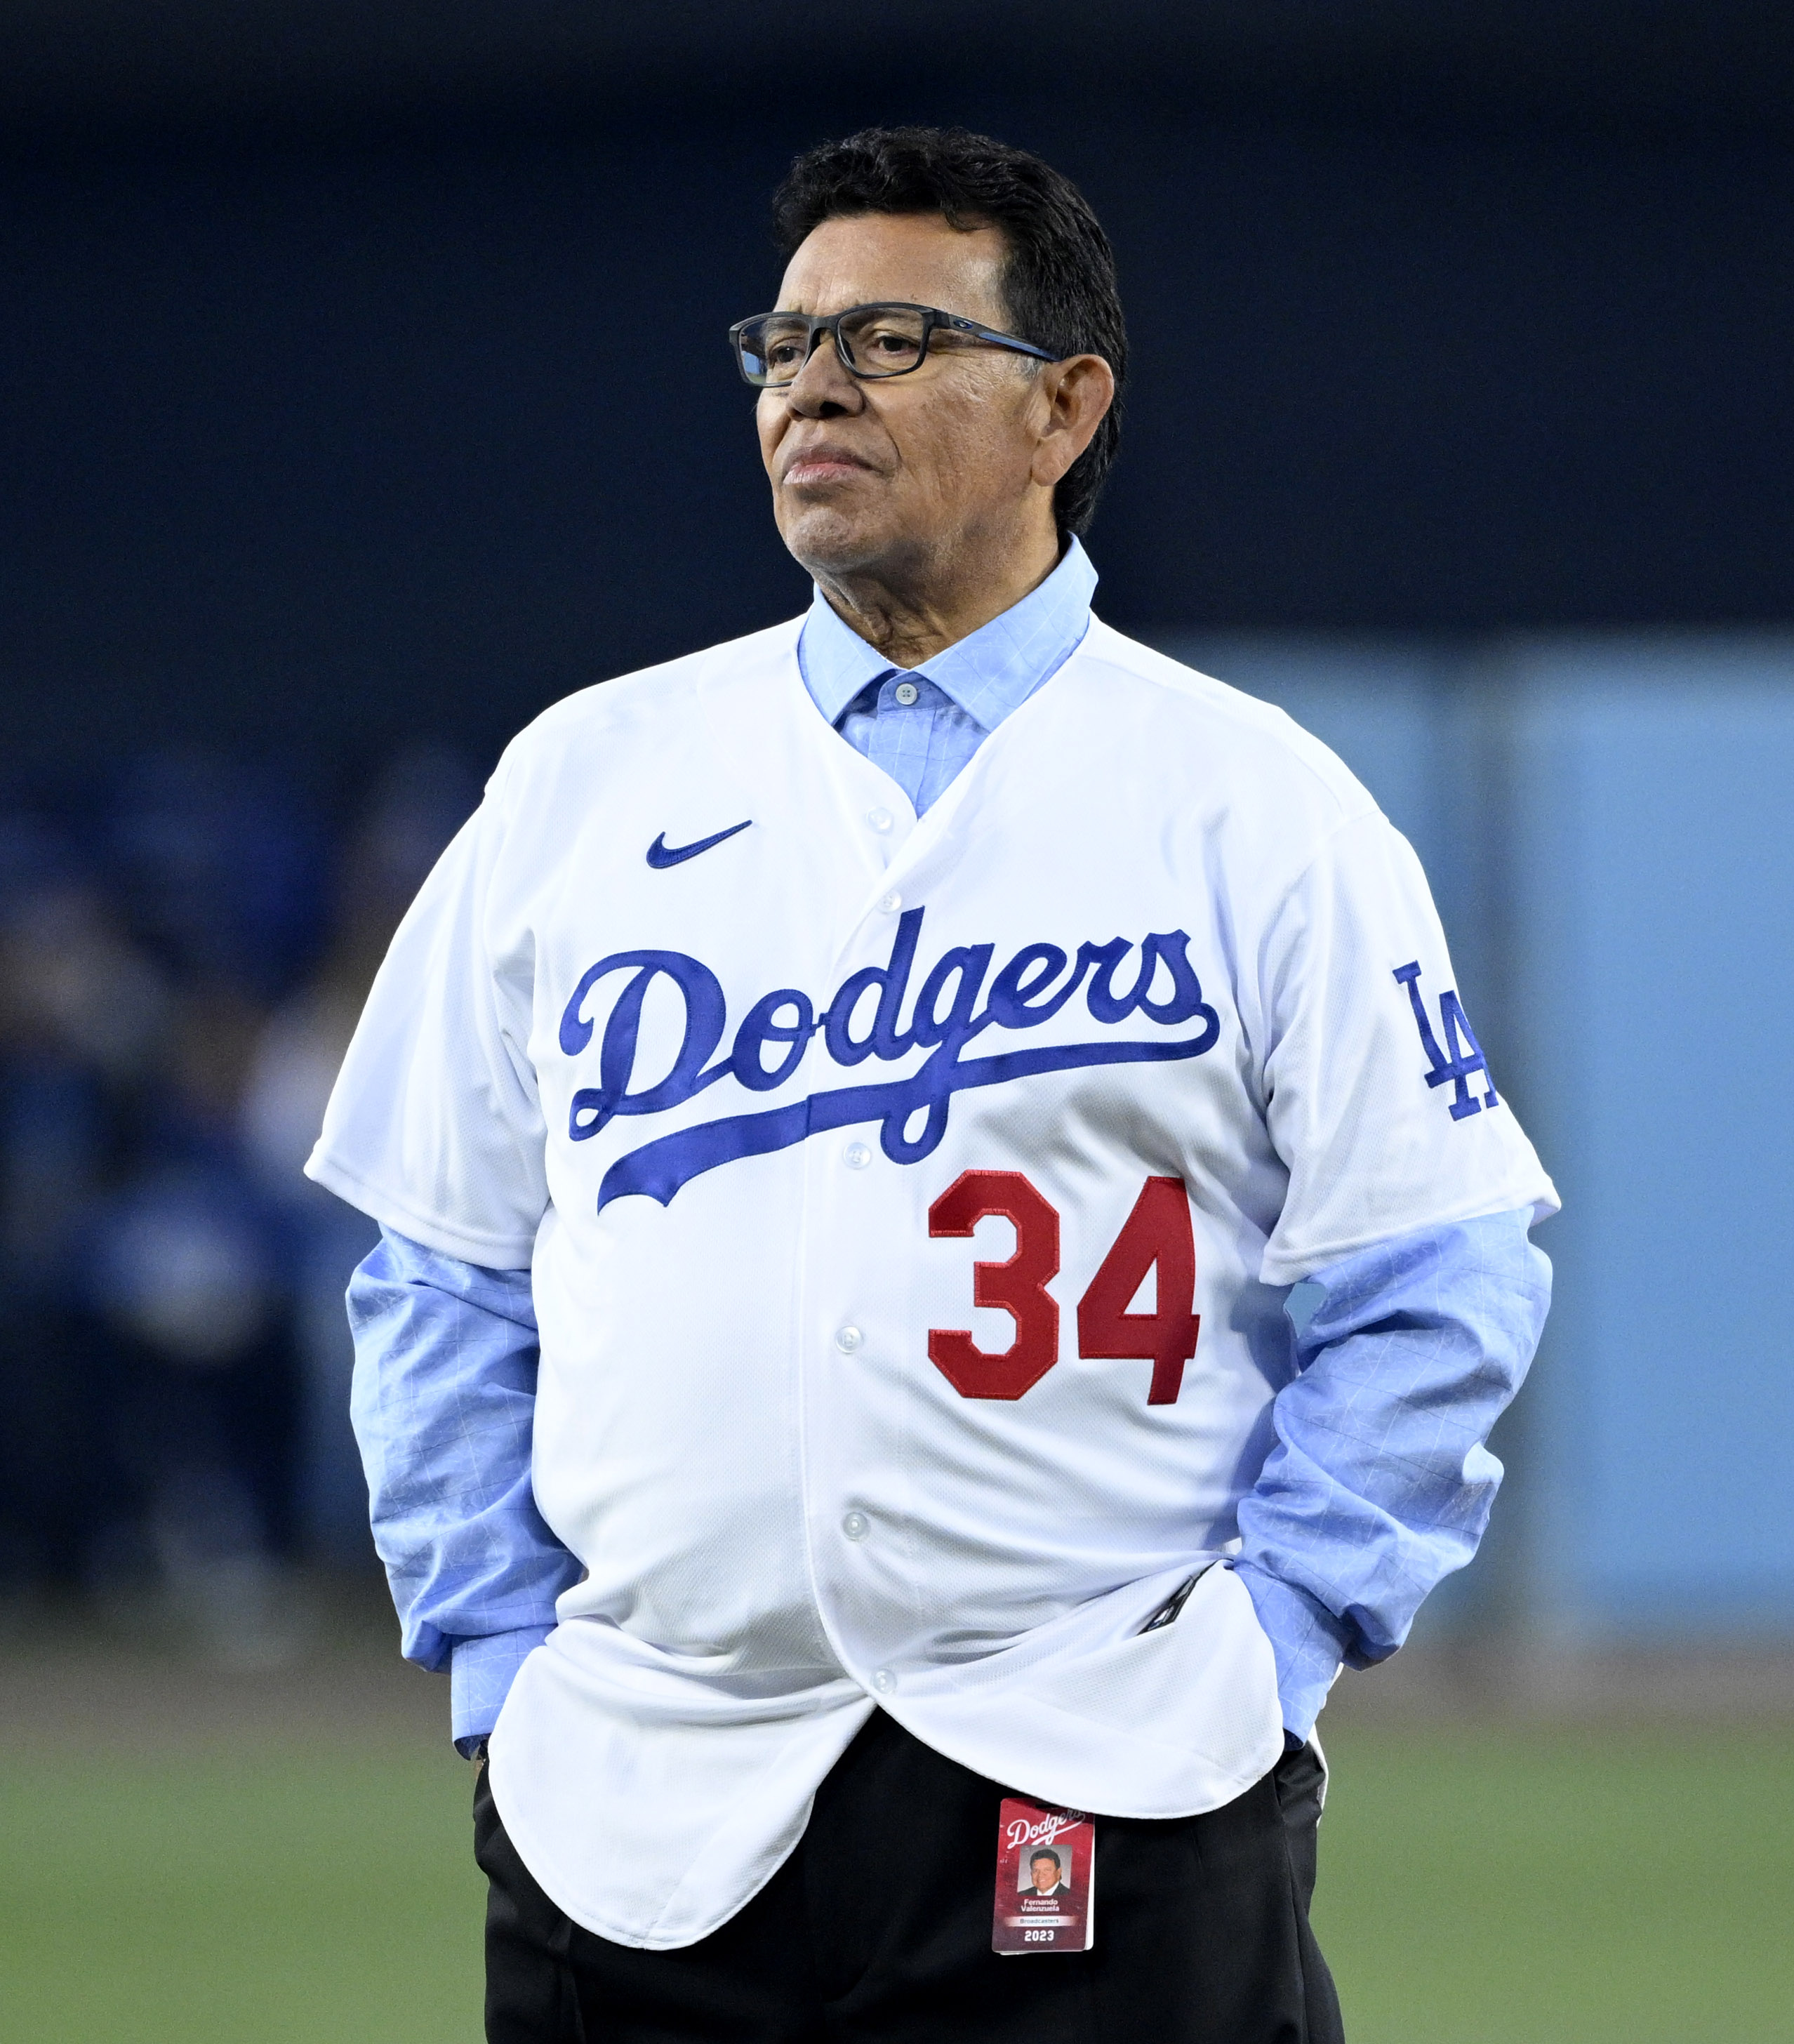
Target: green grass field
{"points": [[1597, 1886], [1477, 1887]]}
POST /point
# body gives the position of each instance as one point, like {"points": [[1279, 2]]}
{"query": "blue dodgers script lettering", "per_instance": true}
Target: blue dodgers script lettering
{"points": [[866, 1020]]}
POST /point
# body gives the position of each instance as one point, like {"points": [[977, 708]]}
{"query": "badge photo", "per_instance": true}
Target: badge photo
{"points": [[1045, 1880]]}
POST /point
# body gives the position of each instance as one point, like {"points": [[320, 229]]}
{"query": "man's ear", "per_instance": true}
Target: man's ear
{"points": [[1078, 391]]}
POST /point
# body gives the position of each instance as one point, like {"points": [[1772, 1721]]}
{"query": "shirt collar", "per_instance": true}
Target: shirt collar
{"points": [[990, 674]]}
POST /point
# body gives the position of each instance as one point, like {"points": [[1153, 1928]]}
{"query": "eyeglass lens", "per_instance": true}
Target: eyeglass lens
{"points": [[875, 340]]}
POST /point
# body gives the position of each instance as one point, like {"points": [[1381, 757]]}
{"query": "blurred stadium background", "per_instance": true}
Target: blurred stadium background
{"points": [[363, 391]]}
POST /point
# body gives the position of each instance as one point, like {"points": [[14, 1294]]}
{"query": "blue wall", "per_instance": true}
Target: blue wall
{"points": [[1609, 826]]}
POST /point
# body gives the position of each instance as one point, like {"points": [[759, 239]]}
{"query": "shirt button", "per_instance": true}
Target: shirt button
{"points": [[906, 692], [856, 1156], [847, 1339], [881, 820], [890, 903], [883, 1682], [856, 1525]]}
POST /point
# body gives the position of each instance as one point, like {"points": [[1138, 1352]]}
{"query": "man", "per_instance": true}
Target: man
{"points": [[845, 1116], [1044, 1870]]}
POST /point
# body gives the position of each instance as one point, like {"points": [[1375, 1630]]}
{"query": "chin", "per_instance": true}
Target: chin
{"points": [[829, 540]]}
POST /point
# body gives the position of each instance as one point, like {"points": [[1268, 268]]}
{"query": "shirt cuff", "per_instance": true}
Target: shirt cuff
{"points": [[481, 1672], [1307, 1642]]}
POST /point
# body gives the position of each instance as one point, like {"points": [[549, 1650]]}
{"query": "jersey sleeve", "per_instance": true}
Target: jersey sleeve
{"points": [[434, 1126], [1377, 1098]]}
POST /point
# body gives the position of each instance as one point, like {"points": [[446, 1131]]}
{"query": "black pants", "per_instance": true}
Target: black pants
{"points": [[877, 1930]]}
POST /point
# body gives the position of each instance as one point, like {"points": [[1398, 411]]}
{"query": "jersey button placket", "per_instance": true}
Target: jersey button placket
{"points": [[854, 1399]]}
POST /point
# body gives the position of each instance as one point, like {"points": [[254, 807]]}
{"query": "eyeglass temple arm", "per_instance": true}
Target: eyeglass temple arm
{"points": [[965, 325]]}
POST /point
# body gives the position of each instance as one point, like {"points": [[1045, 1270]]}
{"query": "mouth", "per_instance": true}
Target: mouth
{"points": [[816, 467]]}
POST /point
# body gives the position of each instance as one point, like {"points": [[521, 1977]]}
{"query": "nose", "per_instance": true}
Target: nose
{"points": [[823, 388]]}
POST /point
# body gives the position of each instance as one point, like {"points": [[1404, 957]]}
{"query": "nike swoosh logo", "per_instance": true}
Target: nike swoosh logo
{"points": [[660, 854]]}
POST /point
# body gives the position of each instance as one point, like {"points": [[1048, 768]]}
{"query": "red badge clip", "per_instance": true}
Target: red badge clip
{"points": [[1045, 1880]]}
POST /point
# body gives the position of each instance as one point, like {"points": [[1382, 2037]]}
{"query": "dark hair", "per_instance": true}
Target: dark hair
{"points": [[1046, 1852], [1059, 276]]}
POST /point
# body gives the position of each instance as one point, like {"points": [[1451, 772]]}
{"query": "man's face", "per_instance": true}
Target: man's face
{"points": [[1045, 1873], [888, 476]]}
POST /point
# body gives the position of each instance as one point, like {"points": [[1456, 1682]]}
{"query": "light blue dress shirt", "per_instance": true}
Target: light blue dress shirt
{"points": [[1379, 1484], [922, 725], [443, 1400]]}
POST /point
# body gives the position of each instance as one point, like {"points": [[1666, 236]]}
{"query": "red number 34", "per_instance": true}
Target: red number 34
{"points": [[1157, 1231]]}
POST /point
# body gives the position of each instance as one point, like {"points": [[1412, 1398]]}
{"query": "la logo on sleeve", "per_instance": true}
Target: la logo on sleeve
{"points": [[1045, 1880], [1466, 1059]]}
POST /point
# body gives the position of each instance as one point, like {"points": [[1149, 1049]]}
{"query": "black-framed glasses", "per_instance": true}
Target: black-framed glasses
{"points": [[872, 341]]}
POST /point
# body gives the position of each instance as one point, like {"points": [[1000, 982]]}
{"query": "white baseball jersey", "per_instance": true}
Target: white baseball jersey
{"points": [[911, 1205]]}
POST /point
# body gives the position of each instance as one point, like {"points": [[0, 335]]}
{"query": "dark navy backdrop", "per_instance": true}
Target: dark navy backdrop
{"points": [[316, 441]]}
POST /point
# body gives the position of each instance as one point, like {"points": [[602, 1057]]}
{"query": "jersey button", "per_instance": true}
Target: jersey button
{"points": [[890, 903], [856, 1156], [847, 1339], [906, 692], [881, 820], [883, 1682], [856, 1525]]}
